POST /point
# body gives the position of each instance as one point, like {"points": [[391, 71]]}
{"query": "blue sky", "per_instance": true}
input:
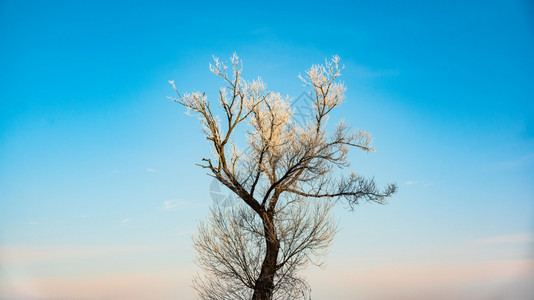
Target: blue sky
{"points": [[99, 190]]}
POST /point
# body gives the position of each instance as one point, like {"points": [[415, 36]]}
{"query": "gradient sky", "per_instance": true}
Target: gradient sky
{"points": [[99, 194]]}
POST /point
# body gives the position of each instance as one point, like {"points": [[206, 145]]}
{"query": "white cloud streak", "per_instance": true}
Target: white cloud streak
{"points": [[172, 205], [505, 239]]}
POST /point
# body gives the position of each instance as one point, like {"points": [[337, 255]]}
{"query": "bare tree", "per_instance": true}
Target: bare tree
{"points": [[255, 249], [231, 248]]}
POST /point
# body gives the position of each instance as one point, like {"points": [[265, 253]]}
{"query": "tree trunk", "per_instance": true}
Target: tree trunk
{"points": [[263, 289]]}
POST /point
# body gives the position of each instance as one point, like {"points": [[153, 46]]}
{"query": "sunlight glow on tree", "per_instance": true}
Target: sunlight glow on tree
{"points": [[287, 180]]}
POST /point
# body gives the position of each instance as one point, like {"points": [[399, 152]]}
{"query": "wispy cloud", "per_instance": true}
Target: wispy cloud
{"points": [[150, 170], [33, 223], [127, 220], [172, 205], [25, 254], [505, 239], [413, 182]]}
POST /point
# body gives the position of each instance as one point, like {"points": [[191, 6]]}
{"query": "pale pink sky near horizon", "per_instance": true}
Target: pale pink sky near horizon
{"points": [[475, 270]]}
